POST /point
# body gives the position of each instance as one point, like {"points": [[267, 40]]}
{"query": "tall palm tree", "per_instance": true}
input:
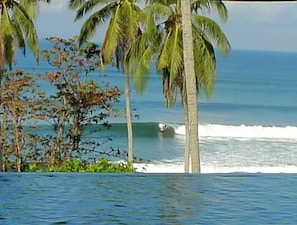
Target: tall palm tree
{"points": [[189, 70], [123, 28], [17, 30], [166, 40], [191, 115]]}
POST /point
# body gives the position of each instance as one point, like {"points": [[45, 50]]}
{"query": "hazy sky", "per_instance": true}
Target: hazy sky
{"points": [[261, 26]]}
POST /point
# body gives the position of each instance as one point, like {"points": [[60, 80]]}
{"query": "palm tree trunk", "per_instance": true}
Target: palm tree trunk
{"points": [[1, 76], [187, 141], [1, 125], [190, 85], [1, 157], [1, 143], [129, 118], [17, 144], [3, 139]]}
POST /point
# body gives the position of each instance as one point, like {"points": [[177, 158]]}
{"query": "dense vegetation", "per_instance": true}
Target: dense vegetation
{"points": [[79, 166], [75, 102], [142, 33], [135, 36]]}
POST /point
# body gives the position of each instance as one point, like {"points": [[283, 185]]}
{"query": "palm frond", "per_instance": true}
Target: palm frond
{"points": [[129, 20], [19, 37], [205, 62], [170, 64], [26, 24], [9, 49], [163, 2], [163, 58], [213, 31], [210, 5], [169, 94], [87, 6], [112, 37], [175, 56], [75, 4], [7, 31], [157, 12], [6, 27], [88, 29], [31, 7], [141, 55], [140, 64], [141, 72]]}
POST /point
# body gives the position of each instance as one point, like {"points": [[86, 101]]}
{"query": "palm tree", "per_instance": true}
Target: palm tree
{"points": [[191, 112], [166, 39], [16, 31], [123, 16], [191, 115], [189, 71], [17, 28]]}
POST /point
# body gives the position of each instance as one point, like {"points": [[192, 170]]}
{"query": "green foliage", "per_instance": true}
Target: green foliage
{"points": [[162, 37], [124, 27], [78, 166], [78, 101], [76, 104], [17, 28]]}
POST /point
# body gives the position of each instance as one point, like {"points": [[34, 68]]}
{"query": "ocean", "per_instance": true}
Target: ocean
{"points": [[248, 147], [248, 125]]}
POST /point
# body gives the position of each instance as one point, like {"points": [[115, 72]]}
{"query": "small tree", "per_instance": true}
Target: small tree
{"points": [[77, 101], [16, 109], [17, 31]]}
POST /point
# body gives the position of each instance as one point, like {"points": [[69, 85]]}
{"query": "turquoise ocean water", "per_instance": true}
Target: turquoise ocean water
{"points": [[249, 124], [248, 143]]}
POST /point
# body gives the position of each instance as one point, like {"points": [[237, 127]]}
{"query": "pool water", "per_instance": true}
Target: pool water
{"points": [[66, 198]]}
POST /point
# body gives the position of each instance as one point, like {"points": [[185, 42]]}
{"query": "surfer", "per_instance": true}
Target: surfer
{"points": [[162, 127]]}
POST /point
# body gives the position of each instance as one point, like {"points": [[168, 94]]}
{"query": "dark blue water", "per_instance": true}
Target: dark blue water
{"points": [[236, 198]]}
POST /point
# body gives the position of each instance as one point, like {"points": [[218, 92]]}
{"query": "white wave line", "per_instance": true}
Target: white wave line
{"points": [[241, 131]]}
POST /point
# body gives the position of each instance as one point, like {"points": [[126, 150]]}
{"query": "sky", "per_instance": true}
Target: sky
{"points": [[250, 26]]}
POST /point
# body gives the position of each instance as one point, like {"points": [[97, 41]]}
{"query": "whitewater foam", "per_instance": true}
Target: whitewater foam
{"points": [[241, 131], [179, 168]]}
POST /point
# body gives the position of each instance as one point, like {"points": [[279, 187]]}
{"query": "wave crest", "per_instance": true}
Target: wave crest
{"points": [[241, 131]]}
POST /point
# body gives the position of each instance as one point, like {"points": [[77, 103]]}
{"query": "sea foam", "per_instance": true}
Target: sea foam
{"points": [[241, 131], [205, 169]]}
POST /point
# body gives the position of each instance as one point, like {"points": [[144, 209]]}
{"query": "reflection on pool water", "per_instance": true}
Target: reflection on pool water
{"points": [[64, 198]]}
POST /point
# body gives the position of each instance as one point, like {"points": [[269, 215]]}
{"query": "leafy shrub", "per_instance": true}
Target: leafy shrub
{"points": [[79, 166]]}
